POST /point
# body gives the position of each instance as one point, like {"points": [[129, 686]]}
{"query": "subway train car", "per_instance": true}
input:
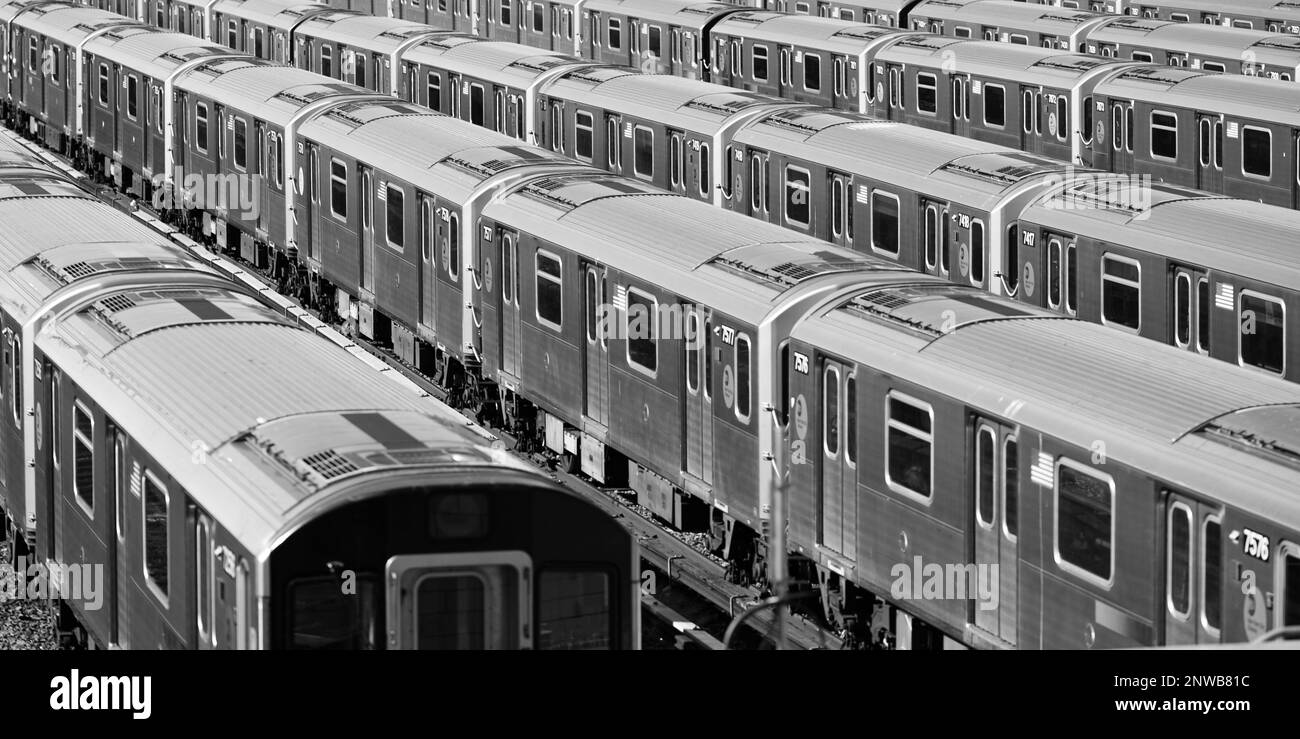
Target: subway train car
{"points": [[1274, 16], [887, 368], [246, 482]]}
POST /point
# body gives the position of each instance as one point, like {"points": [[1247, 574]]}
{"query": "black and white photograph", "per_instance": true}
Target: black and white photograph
{"points": [[650, 325]]}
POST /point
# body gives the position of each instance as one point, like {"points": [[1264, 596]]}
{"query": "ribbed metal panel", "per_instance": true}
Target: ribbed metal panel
{"points": [[27, 229]]}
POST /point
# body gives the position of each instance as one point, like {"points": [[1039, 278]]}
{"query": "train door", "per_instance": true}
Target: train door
{"points": [[459, 601], [757, 181], [996, 481], [510, 323], [594, 295], [1191, 309], [841, 208], [896, 110], [428, 280], [1121, 138], [1031, 120], [936, 235], [367, 257], [1209, 154], [961, 105], [1192, 553], [837, 496]]}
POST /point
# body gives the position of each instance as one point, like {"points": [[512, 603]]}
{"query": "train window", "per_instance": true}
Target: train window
{"points": [[132, 97], [339, 189], [1062, 118], [257, 43], [995, 106], [1085, 129], [241, 143], [1027, 111], [201, 127], [1178, 561], [977, 252], [1011, 270], [1218, 144], [1164, 135], [33, 54], [115, 486], [583, 141], [557, 126], [1213, 67], [83, 457], [1085, 522], [396, 222], [909, 464], [1203, 141], [985, 453], [1203, 315], [871, 83], [884, 222], [433, 91], [1117, 127], [642, 331], [322, 616], [831, 411], [1179, 17], [539, 22], [509, 266], [729, 155], [575, 610], [756, 176], [592, 302], [157, 504], [675, 159], [851, 420], [742, 377], [643, 150], [55, 54], [1183, 310], [1256, 152], [1211, 586], [203, 579], [656, 42], [16, 380], [812, 72], [1121, 291], [846, 15], [1141, 56], [1019, 38], [961, 32], [327, 60], [426, 235], [797, 194], [505, 12], [550, 290], [1128, 129], [693, 343], [1071, 256], [476, 104], [931, 236], [706, 172], [759, 63], [232, 35], [56, 408], [1297, 160], [1243, 24], [1288, 587], [1011, 487], [453, 245], [926, 93], [615, 29], [1263, 336], [612, 143]]}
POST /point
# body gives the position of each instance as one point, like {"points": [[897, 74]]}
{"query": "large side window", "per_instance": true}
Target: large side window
{"points": [[759, 69], [339, 189], [995, 106], [812, 72], [550, 290], [1256, 152], [1121, 292], [583, 142], [1263, 331], [201, 127], [433, 91], [643, 145], [884, 222], [927, 93], [909, 461], [1164, 135], [396, 224], [157, 503], [797, 195], [1085, 521], [103, 85], [241, 143], [83, 456], [132, 97], [642, 331], [615, 31]]}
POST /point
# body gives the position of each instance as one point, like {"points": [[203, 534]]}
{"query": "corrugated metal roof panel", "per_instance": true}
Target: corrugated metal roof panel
{"points": [[27, 230]]}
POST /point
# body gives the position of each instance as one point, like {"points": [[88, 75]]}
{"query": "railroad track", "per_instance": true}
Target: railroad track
{"points": [[662, 548]]}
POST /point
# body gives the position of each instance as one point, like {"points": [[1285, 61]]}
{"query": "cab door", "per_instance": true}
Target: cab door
{"points": [[996, 497], [1209, 152], [459, 601], [1191, 556], [837, 510]]}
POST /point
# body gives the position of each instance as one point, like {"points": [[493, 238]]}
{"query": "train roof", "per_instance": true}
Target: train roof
{"points": [[1200, 38], [152, 52], [685, 13], [1086, 383], [274, 14], [511, 63], [948, 167], [353, 29], [828, 34], [1282, 10], [1030, 64], [271, 91], [1238, 237], [1238, 96], [1042, 18]]}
